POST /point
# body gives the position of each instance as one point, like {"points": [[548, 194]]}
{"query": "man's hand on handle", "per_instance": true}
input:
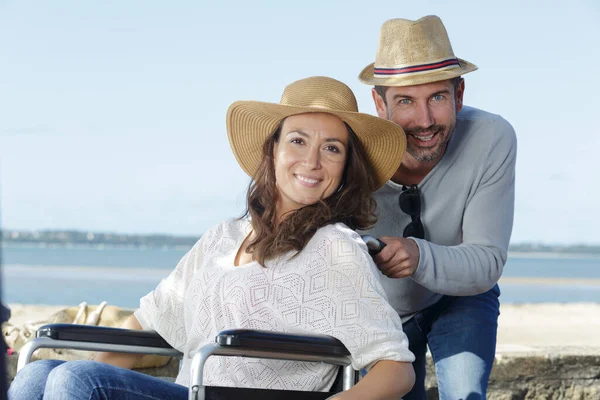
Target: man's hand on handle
{"points": [[399, 259]]}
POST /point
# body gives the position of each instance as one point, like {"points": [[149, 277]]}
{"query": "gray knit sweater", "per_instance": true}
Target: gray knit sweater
{"points": [[467, 210]]}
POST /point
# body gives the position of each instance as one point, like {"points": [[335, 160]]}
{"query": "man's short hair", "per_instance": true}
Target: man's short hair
{"points": [[381, 90]]}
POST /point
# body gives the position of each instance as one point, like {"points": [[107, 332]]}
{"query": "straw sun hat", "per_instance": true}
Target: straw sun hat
{"points": [[413, 53], [249, 123]]}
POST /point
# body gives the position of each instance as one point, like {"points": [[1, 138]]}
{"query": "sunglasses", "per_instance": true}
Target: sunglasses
{"points": [[410, 203]]}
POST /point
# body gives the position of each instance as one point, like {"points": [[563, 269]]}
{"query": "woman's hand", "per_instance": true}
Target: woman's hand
{"points": [[386, 380], [123, 360]]}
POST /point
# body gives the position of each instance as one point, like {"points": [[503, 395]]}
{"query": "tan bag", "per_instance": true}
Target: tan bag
{"points": [[101, 315]]}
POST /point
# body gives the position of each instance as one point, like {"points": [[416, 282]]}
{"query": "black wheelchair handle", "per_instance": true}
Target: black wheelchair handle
{"points": [[373, 244]]}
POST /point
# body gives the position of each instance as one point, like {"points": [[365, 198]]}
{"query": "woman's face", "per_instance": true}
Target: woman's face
{"points": [[309, 158]]}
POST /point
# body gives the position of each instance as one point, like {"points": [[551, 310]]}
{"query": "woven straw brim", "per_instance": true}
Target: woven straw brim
{"points": [[367, 76], [249, 123]]}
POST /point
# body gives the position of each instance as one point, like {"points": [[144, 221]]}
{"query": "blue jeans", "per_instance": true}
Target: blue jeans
{"points": [[86, 380], [461, 335]]}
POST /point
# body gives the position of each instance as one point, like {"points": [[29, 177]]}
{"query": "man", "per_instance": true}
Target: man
{"points": [[447, 213]]}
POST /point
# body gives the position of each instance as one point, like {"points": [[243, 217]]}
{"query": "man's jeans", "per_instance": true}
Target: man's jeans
{"points": [[461, 334], [76, 380]]}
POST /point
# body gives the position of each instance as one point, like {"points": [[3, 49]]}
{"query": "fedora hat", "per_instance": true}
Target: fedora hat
{"points": [[413, 53], [249, 123]]}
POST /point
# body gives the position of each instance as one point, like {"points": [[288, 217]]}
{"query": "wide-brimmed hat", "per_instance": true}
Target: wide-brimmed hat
{"points": [[249, 123], [413, 53]]}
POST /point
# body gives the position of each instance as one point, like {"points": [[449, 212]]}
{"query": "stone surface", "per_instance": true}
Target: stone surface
{"points": [[553, 373]]}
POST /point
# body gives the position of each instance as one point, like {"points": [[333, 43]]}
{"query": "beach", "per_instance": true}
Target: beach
{"points": [[519, 325], [547, 324]]}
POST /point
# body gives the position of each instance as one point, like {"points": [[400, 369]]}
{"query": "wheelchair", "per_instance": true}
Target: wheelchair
{"points": [[232, 343]]}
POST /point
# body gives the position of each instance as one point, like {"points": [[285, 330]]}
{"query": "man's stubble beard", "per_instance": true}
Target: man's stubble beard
{"points": [[431, 154], [428, 155]]}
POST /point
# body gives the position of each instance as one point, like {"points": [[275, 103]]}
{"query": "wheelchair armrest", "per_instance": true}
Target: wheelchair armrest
{"points": [[102, 334], [95, 338], [279, 341], [272, 345]]}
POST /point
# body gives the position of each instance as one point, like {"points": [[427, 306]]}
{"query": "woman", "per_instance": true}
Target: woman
{"points": [[293, 263]]}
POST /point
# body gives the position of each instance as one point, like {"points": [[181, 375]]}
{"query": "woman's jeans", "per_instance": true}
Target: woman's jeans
{"points": [[86, 380], [461, 335]]}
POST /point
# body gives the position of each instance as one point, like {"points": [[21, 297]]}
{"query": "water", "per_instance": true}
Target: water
{"points": [[81, 256], [70, 275]]}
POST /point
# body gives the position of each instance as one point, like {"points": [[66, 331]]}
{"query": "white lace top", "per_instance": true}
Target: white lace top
{"points": [[331, 288]]}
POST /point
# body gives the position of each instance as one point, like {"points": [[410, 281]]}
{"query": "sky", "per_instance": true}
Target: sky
{"points": [[112, 113]]}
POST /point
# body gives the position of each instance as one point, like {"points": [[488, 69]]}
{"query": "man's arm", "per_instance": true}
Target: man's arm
{"points": [[475, 265]]}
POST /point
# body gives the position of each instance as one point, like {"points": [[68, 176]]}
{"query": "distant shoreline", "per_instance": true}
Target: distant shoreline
{"points": [[95, 239], [113, 240], [551, 254], [184, 247], [96, 246]]}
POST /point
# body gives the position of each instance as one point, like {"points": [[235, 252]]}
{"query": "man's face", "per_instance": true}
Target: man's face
{"points": [[427, 113]]}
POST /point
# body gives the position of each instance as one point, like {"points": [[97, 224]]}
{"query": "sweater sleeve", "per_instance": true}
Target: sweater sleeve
{"points": [[475, 265], [345, 300], [162, 309]]}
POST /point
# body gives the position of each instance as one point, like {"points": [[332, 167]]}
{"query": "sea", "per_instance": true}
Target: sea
{"points": [[69, 275]]}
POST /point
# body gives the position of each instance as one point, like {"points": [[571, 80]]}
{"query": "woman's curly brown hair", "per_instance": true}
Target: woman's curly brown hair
{"points": [[352, 204]]}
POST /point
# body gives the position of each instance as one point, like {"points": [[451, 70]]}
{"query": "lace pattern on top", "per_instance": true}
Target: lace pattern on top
{"points": [[331, 287]]}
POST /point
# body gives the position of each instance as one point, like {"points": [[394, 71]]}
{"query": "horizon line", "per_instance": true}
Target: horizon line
{"points": [[33, 232]]}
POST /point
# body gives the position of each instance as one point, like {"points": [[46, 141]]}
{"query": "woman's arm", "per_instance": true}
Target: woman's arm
{"points": [[358, 313], [162, 309], [386, 380], [123, 360]]}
